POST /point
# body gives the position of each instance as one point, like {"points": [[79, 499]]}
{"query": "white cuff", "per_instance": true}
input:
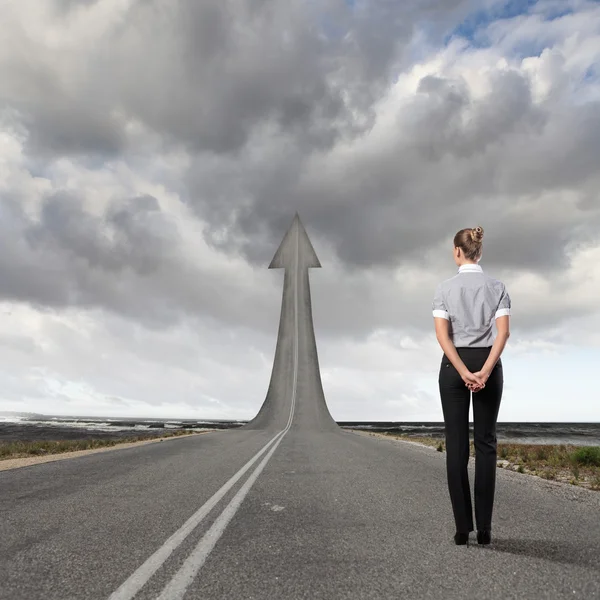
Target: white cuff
{"points": [[442, 314], [503, 312]]}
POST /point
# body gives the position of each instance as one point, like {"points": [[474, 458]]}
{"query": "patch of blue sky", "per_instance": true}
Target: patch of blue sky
{"points": [[334, 25], [37, 168], [332, 30], [46, 169], [556, 11], [591, 74], [528, 48], [587, 89], [473, 28]]}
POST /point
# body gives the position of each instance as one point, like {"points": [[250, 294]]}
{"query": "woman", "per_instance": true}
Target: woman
{"points": [[464, 310]]}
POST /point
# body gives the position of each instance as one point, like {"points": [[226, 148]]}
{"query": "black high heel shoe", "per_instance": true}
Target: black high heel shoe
{"points": [[484, 536], [460, 539]]}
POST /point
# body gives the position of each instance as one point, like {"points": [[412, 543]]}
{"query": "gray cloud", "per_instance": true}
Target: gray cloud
{"points": [[207, 74], [67, 5], [134, 234], [129, 259], [68, 255], [455, 156]]}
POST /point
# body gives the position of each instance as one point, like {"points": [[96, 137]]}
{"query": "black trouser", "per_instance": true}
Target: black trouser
{"points": [[456, 397]]}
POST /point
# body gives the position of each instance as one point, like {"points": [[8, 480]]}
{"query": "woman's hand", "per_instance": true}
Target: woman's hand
{"points": [[483, 377], [475, 381]]}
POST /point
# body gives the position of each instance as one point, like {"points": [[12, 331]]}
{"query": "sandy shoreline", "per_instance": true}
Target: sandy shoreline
{"points": [[27, 461]]}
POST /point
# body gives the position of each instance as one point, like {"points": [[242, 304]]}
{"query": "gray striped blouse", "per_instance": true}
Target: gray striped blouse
{"points": [[471, 300]]}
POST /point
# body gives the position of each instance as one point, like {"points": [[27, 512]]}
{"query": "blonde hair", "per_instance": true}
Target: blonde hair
{"points": [[470, 242]]}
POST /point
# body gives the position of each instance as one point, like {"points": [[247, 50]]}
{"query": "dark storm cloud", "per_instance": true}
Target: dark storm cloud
{"points": [[134, 234], [72, 127], [69, 256], [446, 120], [128, 259], [455, 162], [206, 74]]}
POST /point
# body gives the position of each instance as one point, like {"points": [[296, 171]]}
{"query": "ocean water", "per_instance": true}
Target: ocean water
{"points": [[31, 427], [35, 427], [580, 434]]}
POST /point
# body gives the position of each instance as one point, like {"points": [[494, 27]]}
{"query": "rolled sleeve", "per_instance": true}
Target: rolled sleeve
{"points": [[504, 304], [438, 305]]}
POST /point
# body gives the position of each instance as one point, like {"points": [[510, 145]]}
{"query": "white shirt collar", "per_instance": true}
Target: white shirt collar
{"points": [[470, 268]]}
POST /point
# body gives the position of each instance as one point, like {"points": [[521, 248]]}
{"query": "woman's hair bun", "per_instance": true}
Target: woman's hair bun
{"points": [[477, 234]]}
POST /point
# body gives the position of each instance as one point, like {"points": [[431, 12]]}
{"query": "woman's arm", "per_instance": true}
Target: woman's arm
{"points": [[442, 333], [503, 327]]}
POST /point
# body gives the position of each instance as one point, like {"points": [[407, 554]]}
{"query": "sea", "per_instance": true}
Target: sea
{"points": [[37, 427]]}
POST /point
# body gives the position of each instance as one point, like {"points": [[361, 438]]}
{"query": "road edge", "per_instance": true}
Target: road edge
{"points": [[27, 461], [573, 492]]}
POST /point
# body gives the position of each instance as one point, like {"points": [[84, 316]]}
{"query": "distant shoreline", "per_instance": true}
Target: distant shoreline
{"points": [[35, 427]]}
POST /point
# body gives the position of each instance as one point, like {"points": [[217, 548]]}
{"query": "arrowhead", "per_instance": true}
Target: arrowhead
{"points": [[285, 255]]}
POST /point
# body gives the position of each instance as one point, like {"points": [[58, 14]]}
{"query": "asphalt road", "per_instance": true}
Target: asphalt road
{"points": [[331, 515], [289, 506]]}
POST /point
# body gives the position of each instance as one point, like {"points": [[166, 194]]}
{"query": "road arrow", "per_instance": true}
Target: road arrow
{"points": [[295, 391]]}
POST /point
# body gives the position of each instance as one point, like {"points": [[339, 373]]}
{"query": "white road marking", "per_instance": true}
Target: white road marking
{"points": [[177, 587], [131, 586]]}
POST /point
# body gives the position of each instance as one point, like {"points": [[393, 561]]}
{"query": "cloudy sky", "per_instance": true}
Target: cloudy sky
{"points": [[154, 152]]}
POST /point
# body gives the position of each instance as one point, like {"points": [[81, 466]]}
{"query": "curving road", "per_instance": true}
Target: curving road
{"points": [[288, 506]]}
